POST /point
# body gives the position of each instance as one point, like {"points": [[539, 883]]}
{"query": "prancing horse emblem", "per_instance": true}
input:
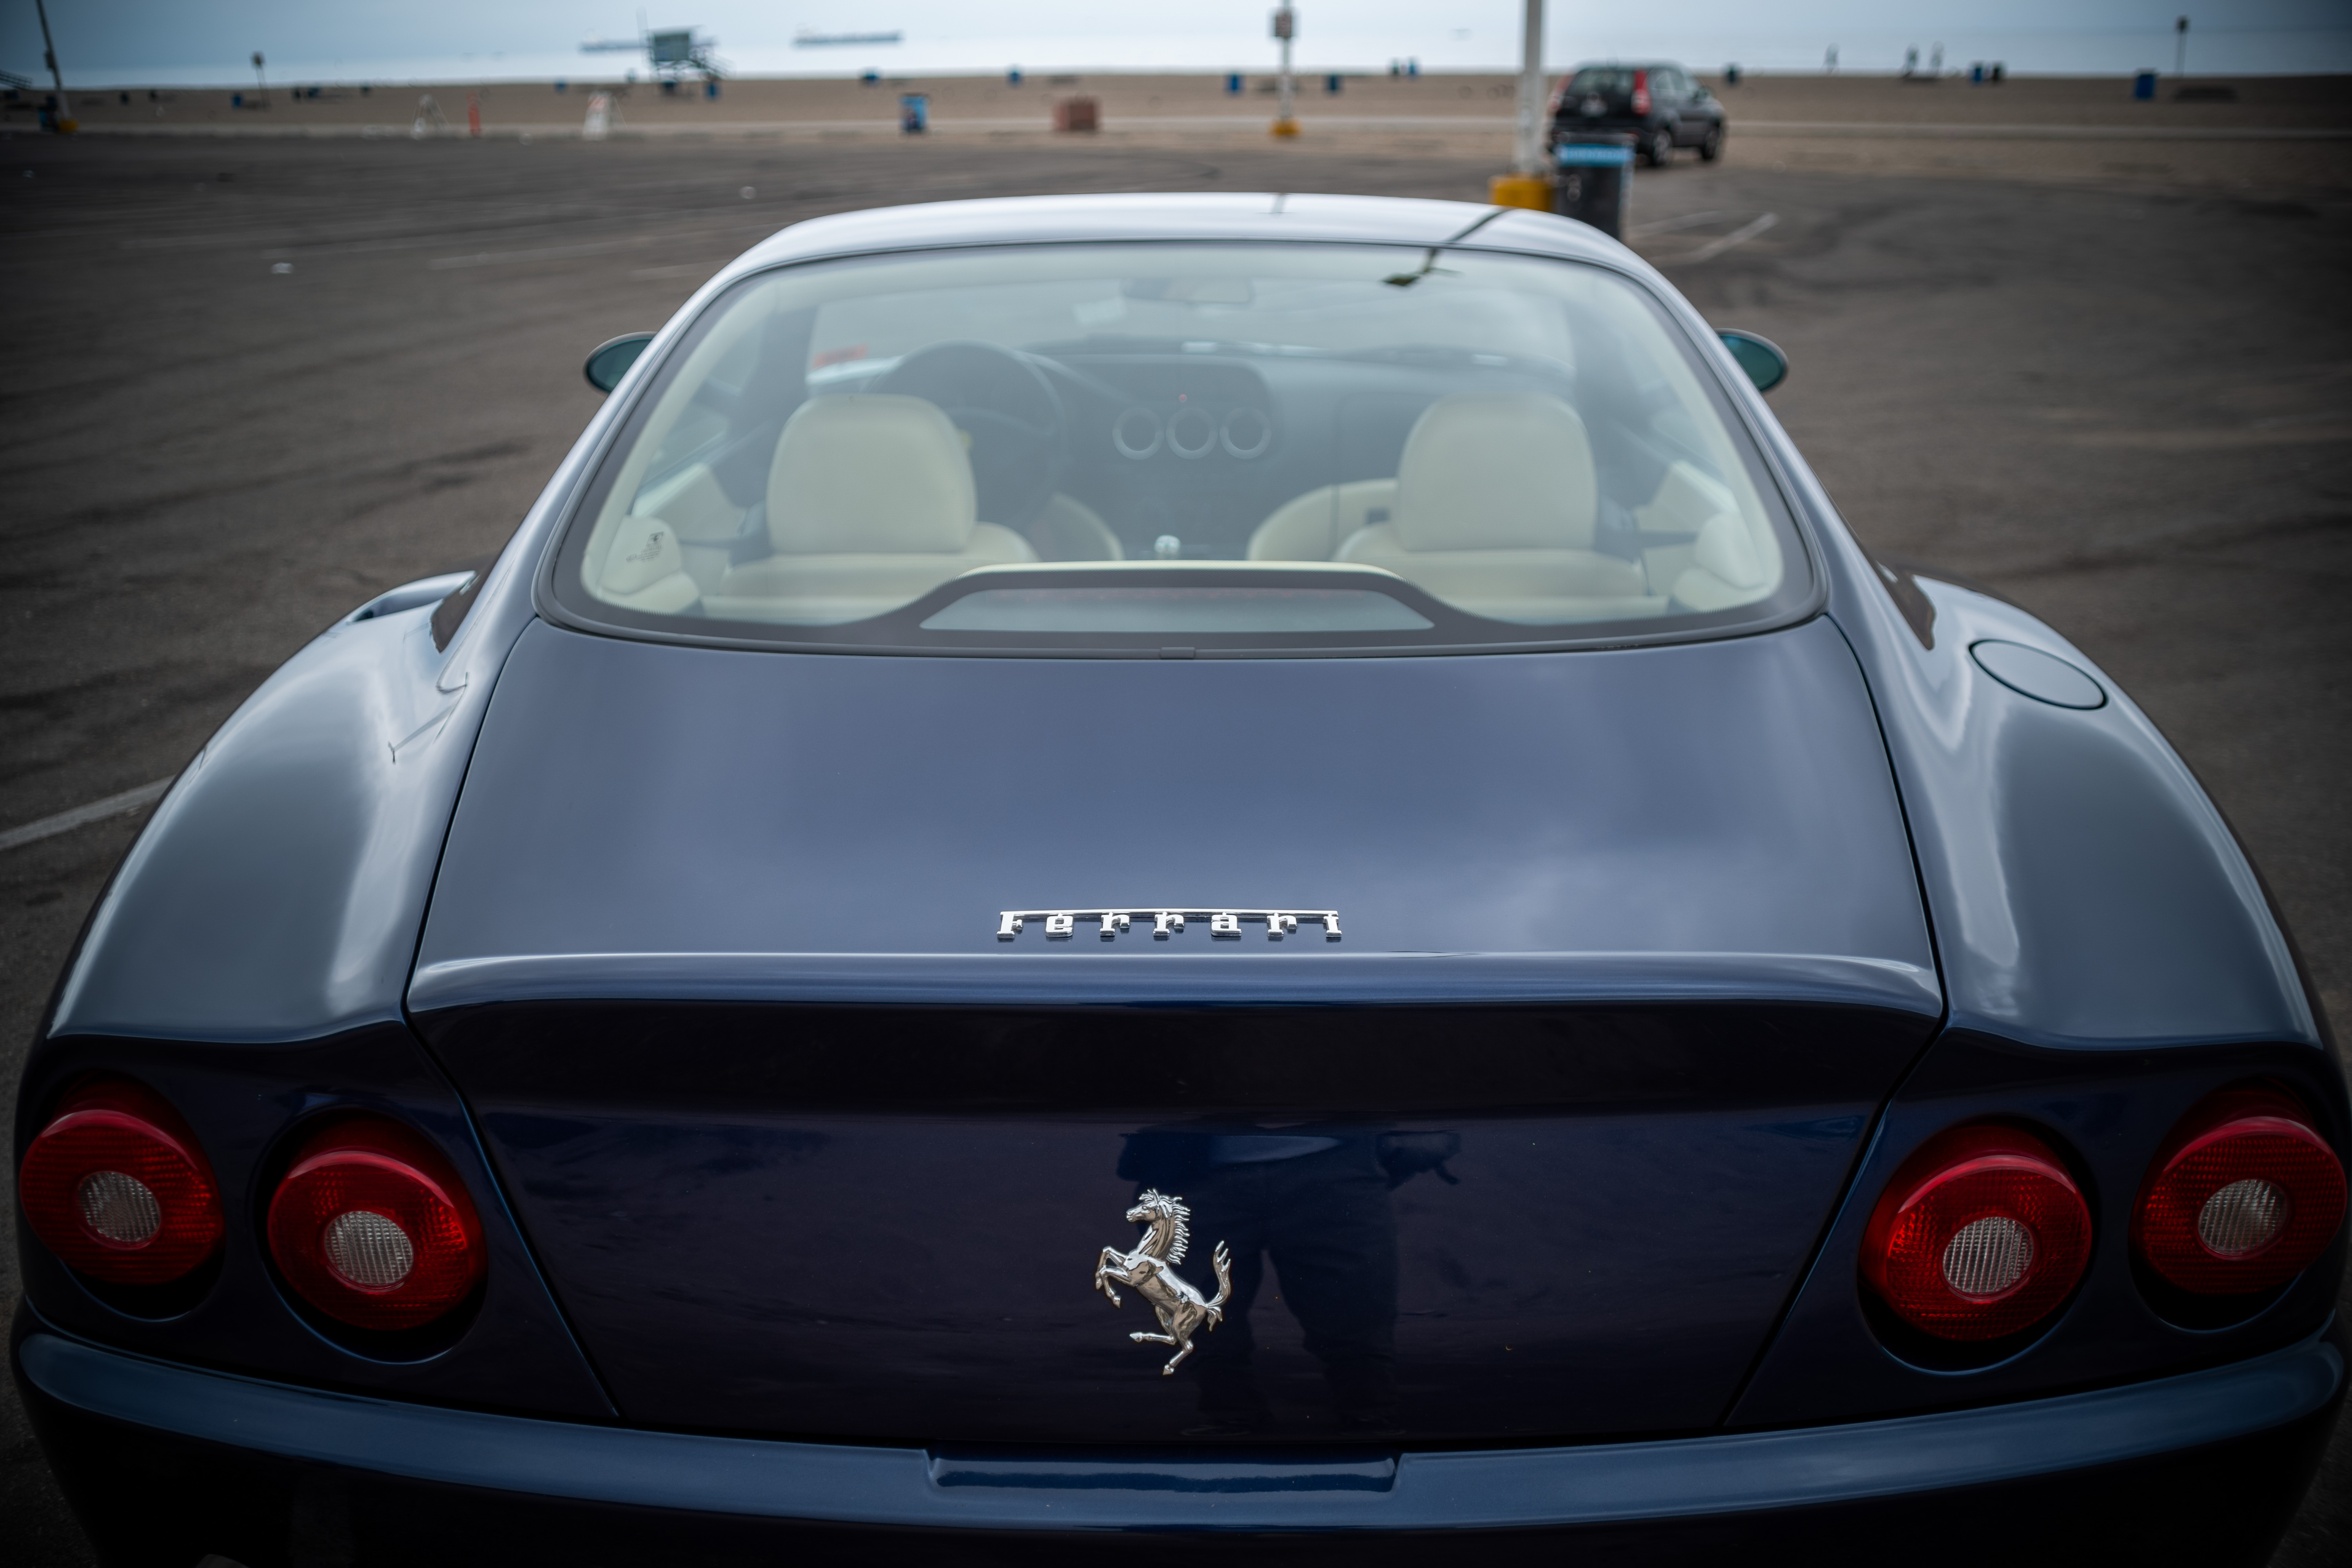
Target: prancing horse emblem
{"points": [[1152, 1269]]}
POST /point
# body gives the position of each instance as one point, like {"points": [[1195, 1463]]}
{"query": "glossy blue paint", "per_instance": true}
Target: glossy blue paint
{"points": [[752, 1237], [749, 824], [1701, 802], [1733, 1473], [275, 895], [2085, 893], [1179, 978]]}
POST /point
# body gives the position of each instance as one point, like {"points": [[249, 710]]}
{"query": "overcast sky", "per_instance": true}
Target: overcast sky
{"points": [[128, 40]]}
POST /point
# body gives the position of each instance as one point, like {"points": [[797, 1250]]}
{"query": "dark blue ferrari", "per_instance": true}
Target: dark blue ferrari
{"points": [[1624, 1028]]}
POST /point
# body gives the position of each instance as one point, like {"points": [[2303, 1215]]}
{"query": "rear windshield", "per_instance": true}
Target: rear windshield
{"points": [[1204, 448], [1602, 78]]}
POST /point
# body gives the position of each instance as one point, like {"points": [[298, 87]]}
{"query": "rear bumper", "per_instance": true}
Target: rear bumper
{"points": [[2205, 1468]]}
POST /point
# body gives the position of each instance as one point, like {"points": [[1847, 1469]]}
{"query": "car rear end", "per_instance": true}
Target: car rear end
{"points": [[1557, 1130], [1594, 1242], [1651, 1277], [1605, 98]]}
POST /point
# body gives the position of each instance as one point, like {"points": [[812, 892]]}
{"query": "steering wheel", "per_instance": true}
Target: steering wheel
{"points": [[1012, 418]]}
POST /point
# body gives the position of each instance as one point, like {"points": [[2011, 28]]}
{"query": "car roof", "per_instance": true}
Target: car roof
{"points": [[1187, 216]]}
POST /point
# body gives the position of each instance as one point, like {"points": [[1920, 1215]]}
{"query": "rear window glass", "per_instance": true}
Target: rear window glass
{"points": [[1219, 448], [1602, 78]]}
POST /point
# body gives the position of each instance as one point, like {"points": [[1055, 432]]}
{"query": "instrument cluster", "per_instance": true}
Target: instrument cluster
{"points": [[1186, 409], [1192, 430]]}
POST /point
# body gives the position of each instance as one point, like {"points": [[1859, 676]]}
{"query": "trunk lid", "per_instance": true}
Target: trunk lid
{"points": [[1631, 950]]}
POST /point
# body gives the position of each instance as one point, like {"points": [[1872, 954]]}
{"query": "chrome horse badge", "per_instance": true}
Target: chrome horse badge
{"points": [[1152, 1269]]}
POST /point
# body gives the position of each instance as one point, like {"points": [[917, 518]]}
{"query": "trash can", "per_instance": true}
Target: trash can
{"points": [[914, 112], [1077, 114], [1595, 171], [2144, 85]]}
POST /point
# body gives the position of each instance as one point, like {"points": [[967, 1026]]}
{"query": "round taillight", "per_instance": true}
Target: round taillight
{"points": [[116, 1186], [2242, 1198], [372, 1227], [1981, 1234]]}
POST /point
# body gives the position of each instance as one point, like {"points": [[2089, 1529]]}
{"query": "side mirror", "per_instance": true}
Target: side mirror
{"points": [[1761, 358], [612, 359]]}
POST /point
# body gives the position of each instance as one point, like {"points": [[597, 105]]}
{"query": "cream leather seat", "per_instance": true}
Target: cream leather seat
{"points": [[1314, 526], [870, 506], [1495, 513]]}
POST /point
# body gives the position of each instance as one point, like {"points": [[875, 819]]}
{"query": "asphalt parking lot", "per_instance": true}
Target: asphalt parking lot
{"points": [[248, 384]]}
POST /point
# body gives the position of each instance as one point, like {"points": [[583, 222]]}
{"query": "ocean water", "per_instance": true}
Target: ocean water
{"points": [[1335, 48]]}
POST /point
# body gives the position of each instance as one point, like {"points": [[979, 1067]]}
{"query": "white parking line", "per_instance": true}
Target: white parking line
{"points": [[1740, 236], [95, 811], [1667, 226]]}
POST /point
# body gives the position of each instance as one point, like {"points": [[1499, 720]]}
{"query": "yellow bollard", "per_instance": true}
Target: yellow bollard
{"points": [[1521, 191]]}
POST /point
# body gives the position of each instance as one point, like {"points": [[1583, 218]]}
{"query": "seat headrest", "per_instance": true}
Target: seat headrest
{"points": [[870, 474], [1496, 471]]}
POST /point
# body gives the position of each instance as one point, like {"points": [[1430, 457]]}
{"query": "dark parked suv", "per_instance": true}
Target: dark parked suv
{"points": [[1660, 104]]}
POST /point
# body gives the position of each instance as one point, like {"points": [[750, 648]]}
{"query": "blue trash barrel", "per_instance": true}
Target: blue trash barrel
{"points": [[2144, 85], [1596, 170], [914, 112]]}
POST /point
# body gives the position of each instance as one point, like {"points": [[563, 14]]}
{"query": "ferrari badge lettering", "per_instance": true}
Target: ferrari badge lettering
{"points": [[1225, 924], [1150, 1269]]}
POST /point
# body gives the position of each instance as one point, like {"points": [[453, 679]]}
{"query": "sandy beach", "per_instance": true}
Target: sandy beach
{"points": [[2205, 133]]}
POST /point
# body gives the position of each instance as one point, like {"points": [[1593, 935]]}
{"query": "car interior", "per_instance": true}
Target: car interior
{"points": [[1556, 462]]}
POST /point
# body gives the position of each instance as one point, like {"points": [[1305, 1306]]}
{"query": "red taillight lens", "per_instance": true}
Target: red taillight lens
{"points": [[374, 1228], [2242, 1198], [1980, 1234], [118, 1188], [1641, 92]]}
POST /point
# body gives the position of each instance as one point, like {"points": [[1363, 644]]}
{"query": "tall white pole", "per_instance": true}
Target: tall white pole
{"points": [[1285, 27], [1289, 86], [1528, 156], [49, 53]]}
